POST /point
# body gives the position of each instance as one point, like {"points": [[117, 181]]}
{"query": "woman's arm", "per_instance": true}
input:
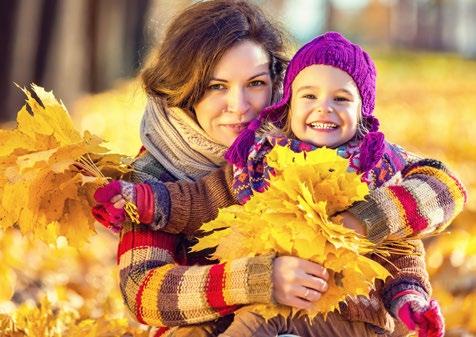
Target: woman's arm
{"points": [[427, 199], [160, 292]]}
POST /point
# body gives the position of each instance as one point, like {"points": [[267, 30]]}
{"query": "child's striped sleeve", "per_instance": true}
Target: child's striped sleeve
{"points": [[427, 200]]}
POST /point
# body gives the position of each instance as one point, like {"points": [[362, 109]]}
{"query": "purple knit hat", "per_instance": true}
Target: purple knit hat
{"points": [[330, 49]]}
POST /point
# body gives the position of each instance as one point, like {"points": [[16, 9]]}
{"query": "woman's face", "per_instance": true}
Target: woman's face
{"points": [[239, 89]]}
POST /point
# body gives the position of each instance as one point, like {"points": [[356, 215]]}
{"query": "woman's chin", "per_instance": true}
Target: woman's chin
{"points": [[226, 141]]}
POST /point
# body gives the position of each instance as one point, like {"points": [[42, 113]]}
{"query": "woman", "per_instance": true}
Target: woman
{"points": [[220, 63]]}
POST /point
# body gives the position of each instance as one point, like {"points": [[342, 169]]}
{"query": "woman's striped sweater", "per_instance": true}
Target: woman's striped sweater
{"points": [[164, 286], [161, 289]]}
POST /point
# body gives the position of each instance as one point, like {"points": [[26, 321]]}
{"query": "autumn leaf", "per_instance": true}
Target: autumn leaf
{"points": [[49, 171], [294, 216]]}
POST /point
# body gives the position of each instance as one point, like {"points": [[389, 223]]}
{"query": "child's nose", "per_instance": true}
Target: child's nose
{"points": [[324, 106]]}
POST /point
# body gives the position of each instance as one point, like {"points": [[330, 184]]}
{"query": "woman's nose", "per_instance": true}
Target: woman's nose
{"points": [[238, 101]]}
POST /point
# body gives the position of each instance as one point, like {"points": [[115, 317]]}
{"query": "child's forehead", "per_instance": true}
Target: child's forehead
{"points": [[321, 75]]}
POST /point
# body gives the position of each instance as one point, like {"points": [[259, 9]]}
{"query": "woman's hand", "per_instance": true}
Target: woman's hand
{"points": [[298, 282]]}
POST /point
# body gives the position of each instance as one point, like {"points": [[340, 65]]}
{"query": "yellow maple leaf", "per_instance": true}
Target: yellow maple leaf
{"points": [[7, 283], [294, 219], [42, 167]]}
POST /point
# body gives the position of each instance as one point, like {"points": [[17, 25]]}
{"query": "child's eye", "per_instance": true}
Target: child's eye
{"points": [[342, 99], [216, 86], [310, 96], [257, 83]]}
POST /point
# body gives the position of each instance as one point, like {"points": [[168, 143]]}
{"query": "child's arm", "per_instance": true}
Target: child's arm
{"points": [[160, 292], [408, 272], [173, 207], [427, 199], [406, 295], [193, 204]]}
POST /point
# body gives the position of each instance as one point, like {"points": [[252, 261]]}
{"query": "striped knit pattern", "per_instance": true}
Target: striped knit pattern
{"points": [[160, 292], [427, 200]]}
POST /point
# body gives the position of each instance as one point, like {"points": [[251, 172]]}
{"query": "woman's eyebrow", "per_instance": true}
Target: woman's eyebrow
{"points": [[259, 74], [249, 79], [218, 80]]}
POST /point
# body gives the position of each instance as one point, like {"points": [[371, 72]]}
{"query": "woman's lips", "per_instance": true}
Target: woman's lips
{"points": [[236, 127]]}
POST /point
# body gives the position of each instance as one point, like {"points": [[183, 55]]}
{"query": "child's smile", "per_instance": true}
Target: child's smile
{"points": [[323, 126]]}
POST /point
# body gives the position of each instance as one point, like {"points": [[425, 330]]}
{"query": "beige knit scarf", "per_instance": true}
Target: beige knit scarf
{"points": [[177, 142]]}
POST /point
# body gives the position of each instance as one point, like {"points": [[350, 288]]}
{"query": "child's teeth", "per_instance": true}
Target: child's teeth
{"points": [[323, 125]]}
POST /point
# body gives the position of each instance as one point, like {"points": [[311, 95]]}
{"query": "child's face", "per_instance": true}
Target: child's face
{"points": [[325, 106]]}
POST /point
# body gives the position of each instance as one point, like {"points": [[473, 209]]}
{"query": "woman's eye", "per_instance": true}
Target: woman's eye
{"points": [[216, 86], [257, 83]]}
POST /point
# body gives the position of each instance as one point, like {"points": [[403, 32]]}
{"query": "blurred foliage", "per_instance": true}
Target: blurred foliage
{"points": [[114, 115], [425, 102], [61, 291]]}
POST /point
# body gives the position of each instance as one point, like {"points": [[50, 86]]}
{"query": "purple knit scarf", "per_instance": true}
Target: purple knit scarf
{"points": [[254, 176]]}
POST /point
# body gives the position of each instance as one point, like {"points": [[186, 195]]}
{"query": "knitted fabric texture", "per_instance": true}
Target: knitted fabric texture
{"points": [[176, 141], [255, 174], [328, 49], [160, 289], [427, 199]]}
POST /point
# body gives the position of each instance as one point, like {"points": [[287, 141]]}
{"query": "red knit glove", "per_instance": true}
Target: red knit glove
{"points": [[419, 314], [112, 214]]}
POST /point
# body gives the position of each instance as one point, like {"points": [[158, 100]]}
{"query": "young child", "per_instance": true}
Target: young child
{"points": [[328, 100]]}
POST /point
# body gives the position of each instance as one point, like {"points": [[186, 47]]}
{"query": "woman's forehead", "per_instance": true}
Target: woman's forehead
{"points": [[242, 61]]}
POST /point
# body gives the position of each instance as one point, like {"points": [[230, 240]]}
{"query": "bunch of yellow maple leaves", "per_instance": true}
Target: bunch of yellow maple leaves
{"points": [[294, 214], [48, 172]]}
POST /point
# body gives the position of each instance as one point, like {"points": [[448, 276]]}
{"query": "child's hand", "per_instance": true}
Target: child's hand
{"points": [[352, 222], [298, 282], [419, 314], [112, 199]]}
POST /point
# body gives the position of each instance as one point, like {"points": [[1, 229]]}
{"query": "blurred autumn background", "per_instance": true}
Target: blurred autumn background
{"points": [[89, 52]]}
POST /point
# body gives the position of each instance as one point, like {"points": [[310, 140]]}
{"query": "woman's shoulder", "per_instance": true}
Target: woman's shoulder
{"points": [[147, 167]]}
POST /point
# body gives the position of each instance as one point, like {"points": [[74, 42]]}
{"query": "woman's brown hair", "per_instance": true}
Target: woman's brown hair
{"points": [[197, 38]]}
